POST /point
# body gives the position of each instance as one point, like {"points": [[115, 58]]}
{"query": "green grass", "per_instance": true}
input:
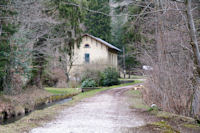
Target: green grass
{"points": [[122, 79], [58, 91], [137, 77], [134, 82], [93, 92], [133, 77]]}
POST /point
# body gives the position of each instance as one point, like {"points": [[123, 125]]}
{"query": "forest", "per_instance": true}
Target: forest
{"points": [[38, 36]]}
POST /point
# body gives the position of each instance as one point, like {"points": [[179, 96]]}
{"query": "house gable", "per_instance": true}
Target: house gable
{"points": [[103, 42], [94, 51]]}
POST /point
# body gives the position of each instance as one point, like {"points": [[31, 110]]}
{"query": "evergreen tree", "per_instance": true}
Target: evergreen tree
{"points": [[129, 37], [98, 24], [7, 29]]}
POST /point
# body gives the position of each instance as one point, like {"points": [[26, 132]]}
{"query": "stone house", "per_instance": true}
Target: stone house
{"points": [[93, 53]]}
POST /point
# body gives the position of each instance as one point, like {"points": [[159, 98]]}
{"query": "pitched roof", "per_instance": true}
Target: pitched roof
{"points": [[104, 42]]}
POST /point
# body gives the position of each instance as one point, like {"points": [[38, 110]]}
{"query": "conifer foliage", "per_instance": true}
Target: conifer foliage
{"points": [[98, 24], [7, 29]]}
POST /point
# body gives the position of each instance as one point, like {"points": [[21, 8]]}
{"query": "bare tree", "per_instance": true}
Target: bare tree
{"points": [[173, 83], [195, 47]]}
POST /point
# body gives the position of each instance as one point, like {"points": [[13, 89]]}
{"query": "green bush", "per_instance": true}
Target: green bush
{"points": [[109, 77], [91, 74], [88, 83]]}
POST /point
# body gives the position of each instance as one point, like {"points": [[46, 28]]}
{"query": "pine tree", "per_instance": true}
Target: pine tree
{"points": [[129, 36], [98, 24], [7, 29]]}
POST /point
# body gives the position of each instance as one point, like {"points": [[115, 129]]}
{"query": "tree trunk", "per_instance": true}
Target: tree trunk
{"points": [[37, 80], [39, 61], [67, 75], [7, 84], [195, 109], [124, 63]]}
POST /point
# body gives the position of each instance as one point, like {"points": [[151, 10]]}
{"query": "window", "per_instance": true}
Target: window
{"points": [[87, 58], [87, 45]]}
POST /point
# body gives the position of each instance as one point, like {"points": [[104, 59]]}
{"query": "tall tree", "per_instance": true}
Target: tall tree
{"points": [[69, 31], [7, 29], [130, 37], [195, 47], [99, 25]]}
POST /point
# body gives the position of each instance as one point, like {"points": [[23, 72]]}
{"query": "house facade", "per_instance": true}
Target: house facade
{"points": [[94, 52]]}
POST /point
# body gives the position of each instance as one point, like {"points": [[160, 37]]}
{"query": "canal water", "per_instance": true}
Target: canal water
{"points": [[41, 107]]}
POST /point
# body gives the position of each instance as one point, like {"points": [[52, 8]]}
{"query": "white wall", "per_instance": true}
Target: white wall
{"points": [[100, 57], [98, 52]]}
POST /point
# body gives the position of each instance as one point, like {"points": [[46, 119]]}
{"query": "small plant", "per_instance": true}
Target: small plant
{"points": [[88, 83], [109, 77], [154, 108]]}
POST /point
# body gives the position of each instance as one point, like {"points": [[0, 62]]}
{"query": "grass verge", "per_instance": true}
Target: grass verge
{"points": [[126, 84], [133, 77], [161, 122], [136, 100], [40, 117], [58, 91]]}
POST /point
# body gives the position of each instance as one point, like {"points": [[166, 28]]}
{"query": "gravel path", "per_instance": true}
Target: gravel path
{"points": [[107, 112]]}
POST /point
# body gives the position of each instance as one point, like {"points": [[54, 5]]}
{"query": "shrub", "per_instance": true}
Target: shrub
{"points": [[93, 78], [88, 83], [91, 74], [109, 77]]}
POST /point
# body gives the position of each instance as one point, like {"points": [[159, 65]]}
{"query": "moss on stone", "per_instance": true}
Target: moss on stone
{"points": [[193, 126], [164, 115], [164, 127]]}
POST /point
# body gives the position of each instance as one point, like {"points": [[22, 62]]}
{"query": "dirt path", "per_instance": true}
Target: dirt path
{"points": [[107, 112]]}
